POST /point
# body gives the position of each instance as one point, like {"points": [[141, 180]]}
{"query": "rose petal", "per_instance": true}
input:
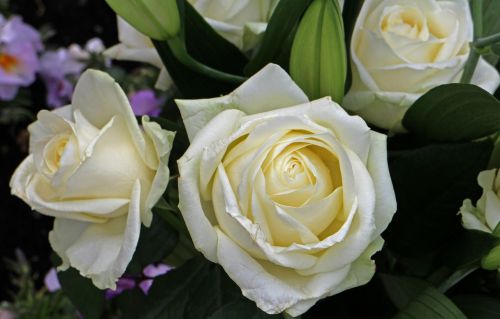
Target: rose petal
{"points": [[100, 252]]}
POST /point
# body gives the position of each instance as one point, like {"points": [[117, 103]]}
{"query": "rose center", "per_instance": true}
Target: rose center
{"points": [[54, 151], [8, 63], [405, 22], [293, 168]]}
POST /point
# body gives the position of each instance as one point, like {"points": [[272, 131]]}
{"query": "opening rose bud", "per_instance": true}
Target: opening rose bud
{"points": [[318, 58], [158, 19], [93, 168]]}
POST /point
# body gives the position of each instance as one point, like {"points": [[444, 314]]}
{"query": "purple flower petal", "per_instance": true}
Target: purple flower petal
{"points": [[19, 44], [152, 271], [15, 30], [51, 280], [144, 102], [122, 285], [60, 63], [55, 68], [145, 285]]}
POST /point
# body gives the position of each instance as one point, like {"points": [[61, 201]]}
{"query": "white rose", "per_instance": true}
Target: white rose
{"points": [[486, 215], [241, 22], [289, 196], [94, 169], [400, 49], [135, 46]]}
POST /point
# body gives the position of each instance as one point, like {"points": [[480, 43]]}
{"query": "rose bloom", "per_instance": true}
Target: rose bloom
{"points": [[402, 49], [486, 215], [94, 169], [289, 196]]}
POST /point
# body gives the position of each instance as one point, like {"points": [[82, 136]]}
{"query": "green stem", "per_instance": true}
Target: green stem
{"points": [[486, 41], [178, 48], [456, 277], [287, 316], [470, 66], [477, 16]]}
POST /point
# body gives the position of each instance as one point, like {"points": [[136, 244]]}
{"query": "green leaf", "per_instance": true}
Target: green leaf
{"points": [[468, 248], [350, 13], [454, 112], [492, 260], [495, 48], [279, 35], [155, 243], [128, 302], [88, 299], [478, 306], [430, 184], [491, 23], [243, 308], [402, 290], [193, 291], [209, 48], [431, 304]]}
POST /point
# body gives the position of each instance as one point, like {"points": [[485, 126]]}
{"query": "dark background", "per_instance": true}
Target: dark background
{"points": [[72, 21]]}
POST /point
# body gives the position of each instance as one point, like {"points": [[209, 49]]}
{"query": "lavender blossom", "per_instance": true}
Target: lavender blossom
{"points": [[122, 285], [57, 68], [51, 281], [152, 271], [144, 102], [19, 44], [130, 282]]}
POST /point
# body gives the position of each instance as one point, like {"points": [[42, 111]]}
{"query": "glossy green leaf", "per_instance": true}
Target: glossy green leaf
{"points": [[495, 48], [402, 290], [491, 23], [242, 308], [431, 183], [88, 299], [279, 35], [350, 13], [431, 304], [478, 306], [468, 248], [195, 290], [155, 243], [454, 112]]}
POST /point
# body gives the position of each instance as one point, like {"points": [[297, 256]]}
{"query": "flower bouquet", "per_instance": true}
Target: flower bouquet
{"points": [[311, 154]]}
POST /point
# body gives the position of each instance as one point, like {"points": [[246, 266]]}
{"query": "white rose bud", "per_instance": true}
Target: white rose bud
{"points": [[402, 49], [94, 169], [289, 196], [135, 46], [486, 215], [241, 22]]}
